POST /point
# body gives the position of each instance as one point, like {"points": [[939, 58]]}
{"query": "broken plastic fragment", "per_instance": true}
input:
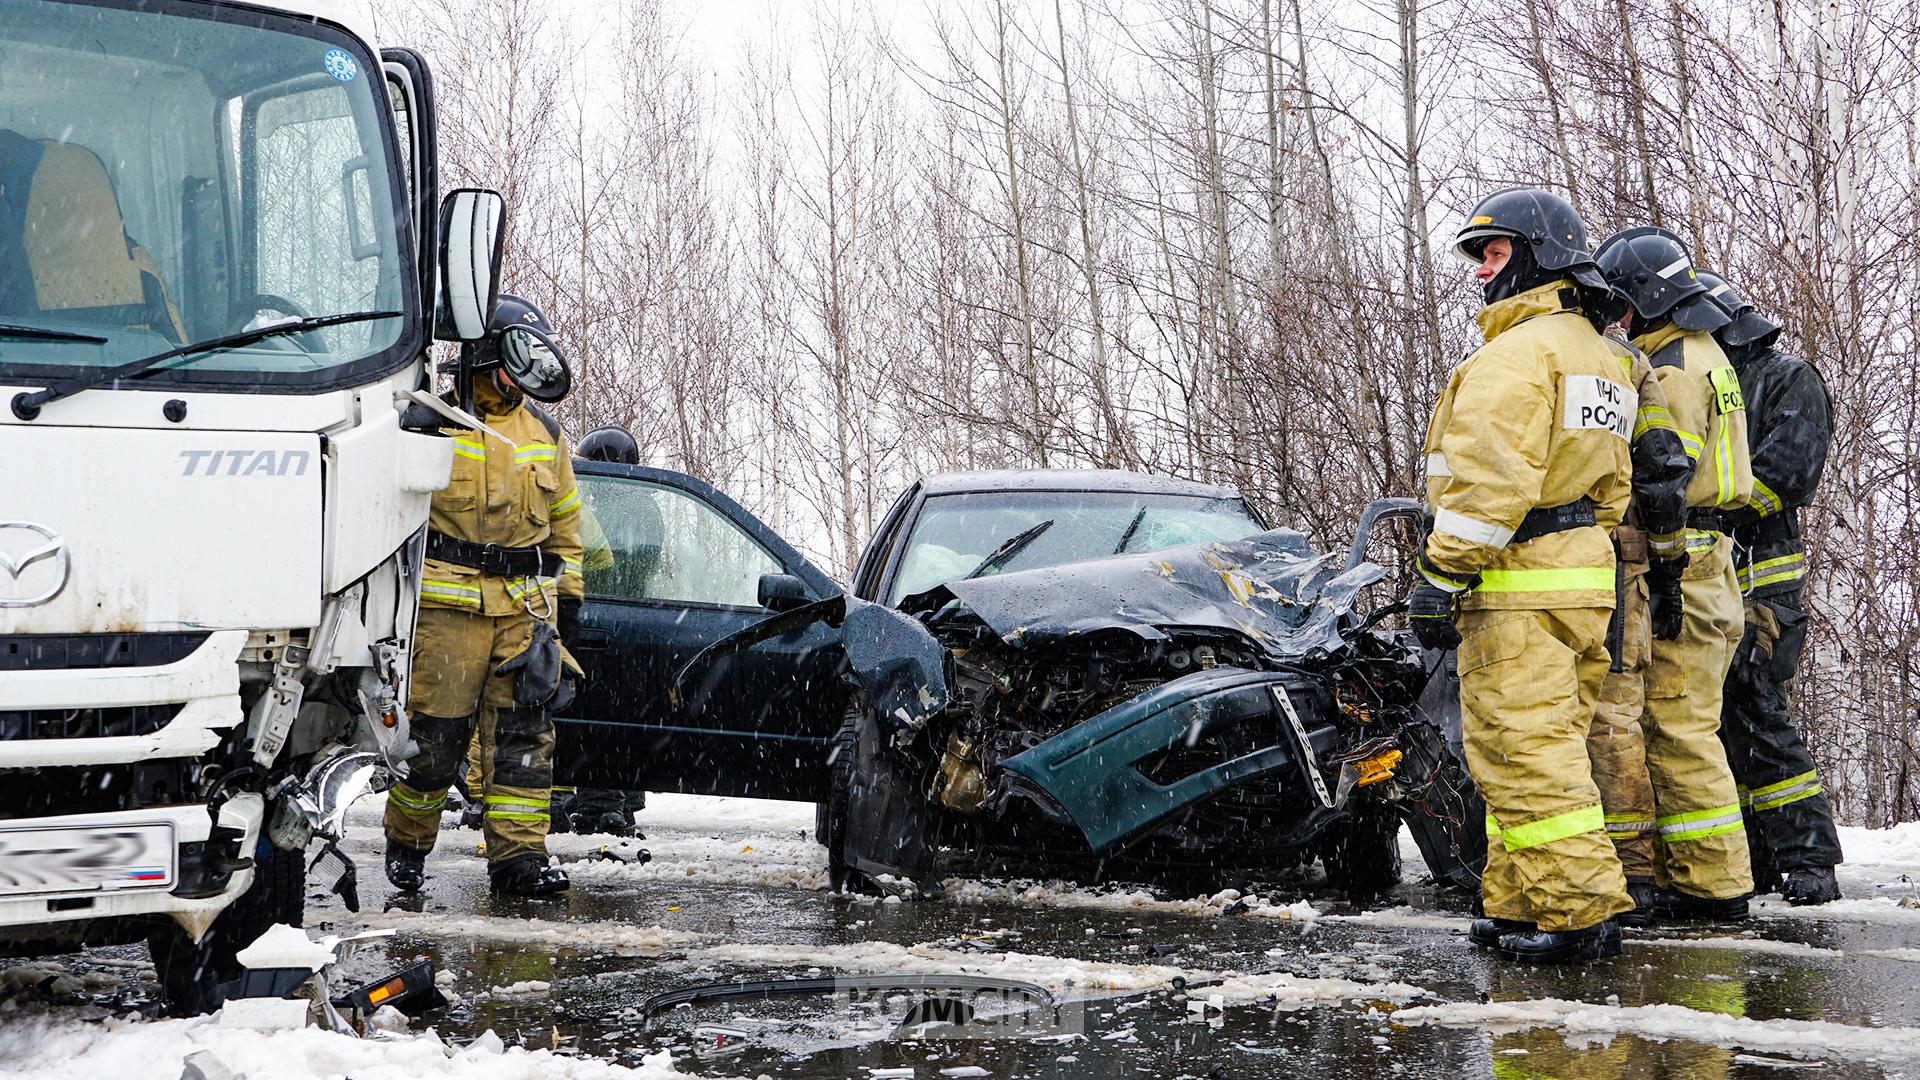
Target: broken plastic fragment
{"points": [[203, 1065]]}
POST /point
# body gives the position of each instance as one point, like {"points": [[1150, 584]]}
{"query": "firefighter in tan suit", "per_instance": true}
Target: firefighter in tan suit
{"points": [[1527, 469], [1651, 548], [1701, 859], [500, 593]]}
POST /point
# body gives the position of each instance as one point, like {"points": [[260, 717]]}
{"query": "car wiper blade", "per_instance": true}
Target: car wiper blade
{"points": [[27, 406], [41, 333], [1132, 527], [1013, 545]]}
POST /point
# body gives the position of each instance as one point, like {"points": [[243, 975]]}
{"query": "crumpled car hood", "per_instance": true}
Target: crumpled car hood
{"points": [[1273, 588]]}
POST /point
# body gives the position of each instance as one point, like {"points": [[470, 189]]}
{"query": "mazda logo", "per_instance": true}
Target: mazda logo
{"points": [[33, 564]]}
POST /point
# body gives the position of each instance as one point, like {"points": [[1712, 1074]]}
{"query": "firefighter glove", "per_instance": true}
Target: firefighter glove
{"points": [[1664, 606], [1430, 612], [536, 672]]}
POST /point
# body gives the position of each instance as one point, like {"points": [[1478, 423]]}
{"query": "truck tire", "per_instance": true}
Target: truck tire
{"points": [[1362, 854], [190, 974]]}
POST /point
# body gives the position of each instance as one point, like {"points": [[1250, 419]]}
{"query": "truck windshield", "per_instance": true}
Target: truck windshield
{"points": [[188, 171], [955, 533]]}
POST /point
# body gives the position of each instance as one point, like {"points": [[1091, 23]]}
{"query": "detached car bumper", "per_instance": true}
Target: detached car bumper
{"points": [[1109, 777]]}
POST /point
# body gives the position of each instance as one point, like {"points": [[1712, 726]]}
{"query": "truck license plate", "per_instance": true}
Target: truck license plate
{"points": [[91, 858]]}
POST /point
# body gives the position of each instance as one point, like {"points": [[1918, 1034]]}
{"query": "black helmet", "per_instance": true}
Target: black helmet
{"points": [[1554, 236], [519, 311], [1749, 327], [521, 341], [1652, 268], [609, 443]]}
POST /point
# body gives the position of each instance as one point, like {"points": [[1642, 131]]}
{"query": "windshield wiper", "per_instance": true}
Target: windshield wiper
{"points": [[1012, 546], [1132, 527], [27, 406], [41, 333]]}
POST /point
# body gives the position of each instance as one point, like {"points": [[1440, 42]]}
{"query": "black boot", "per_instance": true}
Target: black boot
{"points": [[1766, 880], [614, 823], [1486, 933], [1641, 891], [1811, 885], [1562, 946], [406, 867], [527, 875], [1685, 907]]}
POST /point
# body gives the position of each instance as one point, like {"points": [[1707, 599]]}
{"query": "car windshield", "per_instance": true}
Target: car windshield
{"points": [[188, 171], [955, 533]]}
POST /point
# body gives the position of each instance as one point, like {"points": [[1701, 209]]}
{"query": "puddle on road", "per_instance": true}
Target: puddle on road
{"points": [[570, 974], [590, 996]]}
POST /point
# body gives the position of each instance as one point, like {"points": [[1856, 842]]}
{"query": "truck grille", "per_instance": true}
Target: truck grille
{"points": [[52, 652], [96, 789], [23, 724]]}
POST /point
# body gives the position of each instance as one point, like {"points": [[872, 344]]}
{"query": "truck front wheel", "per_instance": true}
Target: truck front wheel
{"points": [[191, 974]]}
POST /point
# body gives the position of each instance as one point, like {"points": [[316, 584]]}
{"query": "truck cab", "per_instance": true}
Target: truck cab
{"points": [[220, 249]]}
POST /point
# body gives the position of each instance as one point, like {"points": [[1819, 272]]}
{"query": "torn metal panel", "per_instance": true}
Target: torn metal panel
{"points": [[1102, 772], [1273, 589], [893, 657]]}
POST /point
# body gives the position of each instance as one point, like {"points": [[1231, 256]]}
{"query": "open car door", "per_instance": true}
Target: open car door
{"points": [[673, 566]]}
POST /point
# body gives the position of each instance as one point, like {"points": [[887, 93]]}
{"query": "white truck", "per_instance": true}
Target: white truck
{"points": [[223, 261]]}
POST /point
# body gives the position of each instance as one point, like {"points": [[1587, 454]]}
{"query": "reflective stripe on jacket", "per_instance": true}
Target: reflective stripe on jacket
{"points": [[1539, 416]]}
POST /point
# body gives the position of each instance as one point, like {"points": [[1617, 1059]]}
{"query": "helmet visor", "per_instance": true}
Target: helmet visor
{"points": [[1471, 243]]}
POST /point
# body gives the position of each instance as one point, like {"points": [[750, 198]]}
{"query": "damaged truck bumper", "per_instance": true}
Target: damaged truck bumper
{"points": [[209, 871], [1125, 771]]}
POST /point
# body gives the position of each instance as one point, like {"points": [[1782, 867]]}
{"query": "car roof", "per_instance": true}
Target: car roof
{"points": [[953, 483]]}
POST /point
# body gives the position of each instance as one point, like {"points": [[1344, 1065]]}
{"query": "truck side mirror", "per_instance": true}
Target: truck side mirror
{"points": [[472, 233], [782, 592]]}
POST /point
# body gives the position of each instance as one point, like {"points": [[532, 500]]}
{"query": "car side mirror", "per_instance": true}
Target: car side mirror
{"points": [[472, 233], [782, 592]]}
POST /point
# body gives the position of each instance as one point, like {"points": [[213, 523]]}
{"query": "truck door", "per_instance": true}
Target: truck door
{"points": [[410, 92], [672, 566]]}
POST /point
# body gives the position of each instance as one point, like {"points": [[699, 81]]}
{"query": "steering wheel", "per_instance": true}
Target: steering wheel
{"points": [[245, 311]]}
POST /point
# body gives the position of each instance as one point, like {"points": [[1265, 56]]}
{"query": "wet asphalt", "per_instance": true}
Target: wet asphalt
{"points": [[580, 992]]}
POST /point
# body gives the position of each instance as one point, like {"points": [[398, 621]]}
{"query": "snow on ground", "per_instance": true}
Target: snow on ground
{"points": [[1073, 979], [757, 843], [623, 939], [42, 1047], [1578, 1019], [1898, 846], [1740, 944], [697, 838], [710, 840], [1056, 973], [1295, 991]]}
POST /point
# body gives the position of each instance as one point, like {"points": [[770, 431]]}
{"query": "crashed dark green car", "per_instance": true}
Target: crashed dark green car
{"points": [[1141, 680]]}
